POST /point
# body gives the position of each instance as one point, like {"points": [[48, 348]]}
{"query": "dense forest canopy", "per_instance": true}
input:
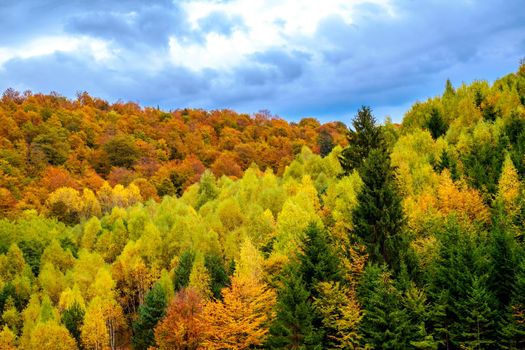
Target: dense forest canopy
{"points": [[129, 227]]}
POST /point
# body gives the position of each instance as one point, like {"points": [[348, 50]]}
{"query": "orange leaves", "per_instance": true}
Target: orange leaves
{"points": [[240, 321], [183, 327], [459, 198]]}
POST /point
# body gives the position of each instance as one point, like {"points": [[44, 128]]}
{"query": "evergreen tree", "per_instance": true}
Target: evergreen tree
{"points": [[293, 326], [446, 162], [436, 125], [457, 282], [513, 323], [365, 137], [181, 276], [504, 264], [149, 314], [218, 274], [386, 323], [73, 318], [317, 261], [478, 317], [378, 218]]}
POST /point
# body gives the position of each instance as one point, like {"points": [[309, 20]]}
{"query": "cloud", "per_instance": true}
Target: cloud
{"points": [[294, 57], [222, 23]]}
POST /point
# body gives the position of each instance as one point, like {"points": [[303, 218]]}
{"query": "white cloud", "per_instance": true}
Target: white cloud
{"points": [[267, 24], [48, 45]]}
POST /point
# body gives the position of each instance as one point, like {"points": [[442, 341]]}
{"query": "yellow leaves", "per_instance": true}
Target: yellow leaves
{"points": [[340, 312], [50, 335], [102, 321], [509, 187], [240, 321], [7, 339], [460, 199], [69, 297], [249, 266], [52, 281], [411, 156], [340, 199], [65, 204], [200, 278]]}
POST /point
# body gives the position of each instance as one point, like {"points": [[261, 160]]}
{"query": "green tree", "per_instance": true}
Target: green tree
{"points": [[293, 326], [436, 125], [316, 260], [181, 276], [478, 317], [149, 314], [378, 218], [73, 318], [386, 323], [122, 151], [365, 137], [218, 274]]}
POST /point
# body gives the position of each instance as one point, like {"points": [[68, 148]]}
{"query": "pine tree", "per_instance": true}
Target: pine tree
{"points": [[378, 218], [513, 325], [385, 324], [478, 317], [218, 274], [149, 314], [293, 326], [73, 318], [365, 137], [436, 125], [317, 261], [181, 276]]}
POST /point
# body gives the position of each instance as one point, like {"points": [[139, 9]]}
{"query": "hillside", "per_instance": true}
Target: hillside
{"points": [[132, 227], [48, 142]]}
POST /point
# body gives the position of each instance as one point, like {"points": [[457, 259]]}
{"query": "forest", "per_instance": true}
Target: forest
{"points": [[123, 227]]}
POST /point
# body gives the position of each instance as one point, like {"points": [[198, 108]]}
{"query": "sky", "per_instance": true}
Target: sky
{"points": [[295, 58]]}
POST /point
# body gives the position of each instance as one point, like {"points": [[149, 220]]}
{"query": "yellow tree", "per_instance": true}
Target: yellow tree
{"points": [[240, 320], [509, 188], [51, 335], [341, 314], [200, 278], [66, 204], [7, 339], [102, 322]]}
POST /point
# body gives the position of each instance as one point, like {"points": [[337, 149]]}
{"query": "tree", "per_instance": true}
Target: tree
{"points": [[378, 218], [218, 276], [478, 317], [50, 335], [122, 151], [73, 319], [340, 312], [293, 326], [102, 321], [181, 276], [325, 142], [240, 320], [365, 137], [7, 339], [183, 327], [150, 313], [385, 323], [436, 125], [317, 261]]}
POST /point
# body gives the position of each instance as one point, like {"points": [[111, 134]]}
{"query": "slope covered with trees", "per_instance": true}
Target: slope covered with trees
{"points": [[399, 237]]}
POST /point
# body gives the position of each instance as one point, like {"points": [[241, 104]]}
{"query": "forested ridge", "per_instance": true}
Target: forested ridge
{"points": [[130, 227]]}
